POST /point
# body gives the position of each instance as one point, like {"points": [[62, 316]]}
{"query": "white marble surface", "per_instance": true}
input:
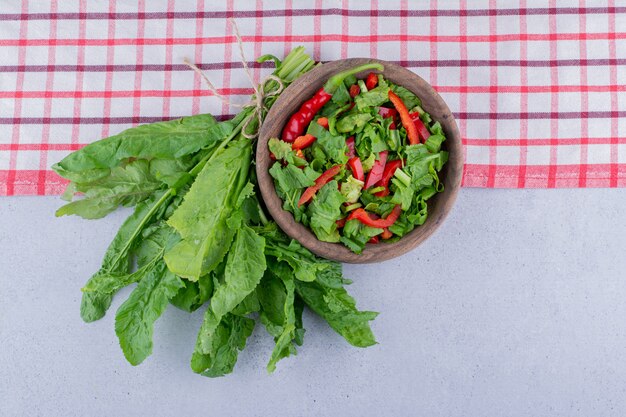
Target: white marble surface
{"points": [[516, 307]]}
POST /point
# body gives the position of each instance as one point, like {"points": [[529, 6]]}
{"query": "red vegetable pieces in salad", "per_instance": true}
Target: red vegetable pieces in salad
{"points": [[354, 90], [364, 217], [356, 167], [405, 118], [390, 169], [376, 173], [371, 81], [301, 119], [303, 142], [422, 130], [319, 183], [350, 145]]}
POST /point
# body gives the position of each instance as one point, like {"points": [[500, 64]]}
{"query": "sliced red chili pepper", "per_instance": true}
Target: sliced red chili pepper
{"points": [[354, 90], [323, 121], [319, 183], [350, 145], [371, 81], [390, 169], [376, 173], [341, 222], [301, 119], [362, 216], [373, 239], [386, 234], [356, 167], [386, 112], [422, 130], [405, 118], [302, 142]]}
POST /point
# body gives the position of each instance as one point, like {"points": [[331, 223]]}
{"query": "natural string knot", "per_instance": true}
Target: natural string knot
{"points": [[260, 93]]}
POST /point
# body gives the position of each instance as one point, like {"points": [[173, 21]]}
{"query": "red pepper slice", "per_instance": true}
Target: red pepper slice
{"points": [[350, 145], [354, 90], [362, 216], [373, 239], [386, 112], [356, 167], [302, 142], [319, 183], [386, 234], [323, 121], [341, 222], [378, 168], [301, 119], [422, 130], [392, 126], [390, 169], [371, 81], [405, 118]]}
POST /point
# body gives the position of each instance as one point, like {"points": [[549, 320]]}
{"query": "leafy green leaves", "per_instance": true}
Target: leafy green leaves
{"points": [[290, 178], [221, 329], [372, 98], [351, 189], [202, 218], [283, 151], [328, 149], [134, 321], [219, 343], [353, 123], [125, 186], [244, 269], [339, 309], [356, 235], [116, 262], [324, 212], [278, 314], [210, 243], [169, 140]]}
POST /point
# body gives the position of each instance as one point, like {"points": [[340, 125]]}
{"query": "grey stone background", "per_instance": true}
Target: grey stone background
{"points": [[515, 307]]}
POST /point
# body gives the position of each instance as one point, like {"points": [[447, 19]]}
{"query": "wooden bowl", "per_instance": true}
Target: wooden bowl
{"points": [[438, 206]]}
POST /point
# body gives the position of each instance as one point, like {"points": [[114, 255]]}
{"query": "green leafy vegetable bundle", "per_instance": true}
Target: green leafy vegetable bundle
{"points": [[359, 160], [199, 237]]}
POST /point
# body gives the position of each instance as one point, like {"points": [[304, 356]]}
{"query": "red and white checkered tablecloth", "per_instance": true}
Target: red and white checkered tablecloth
{"points": [[538, 87]]}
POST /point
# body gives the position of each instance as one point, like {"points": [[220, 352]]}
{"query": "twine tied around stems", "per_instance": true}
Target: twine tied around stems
{"points": [[260, 94]]}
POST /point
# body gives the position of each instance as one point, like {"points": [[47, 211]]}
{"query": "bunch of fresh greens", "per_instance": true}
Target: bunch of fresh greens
{"points": [[364, 166], [198, 237]]}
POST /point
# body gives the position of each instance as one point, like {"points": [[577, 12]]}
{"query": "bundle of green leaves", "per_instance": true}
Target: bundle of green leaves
{"points": [[199, 237]]}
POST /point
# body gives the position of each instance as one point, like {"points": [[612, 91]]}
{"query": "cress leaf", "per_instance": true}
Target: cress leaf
{"points": [[409, 99], [125, 186], [244, 269], [94, 304], [134, 321], [278, 314], [193, 294], [290, 177], [324, 211], [219, 342], [172, 139], [339, 309], [202, 218]]}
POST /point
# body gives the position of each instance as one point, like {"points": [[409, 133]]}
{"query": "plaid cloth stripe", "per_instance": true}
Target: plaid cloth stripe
{"points": [[539, 89]]}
